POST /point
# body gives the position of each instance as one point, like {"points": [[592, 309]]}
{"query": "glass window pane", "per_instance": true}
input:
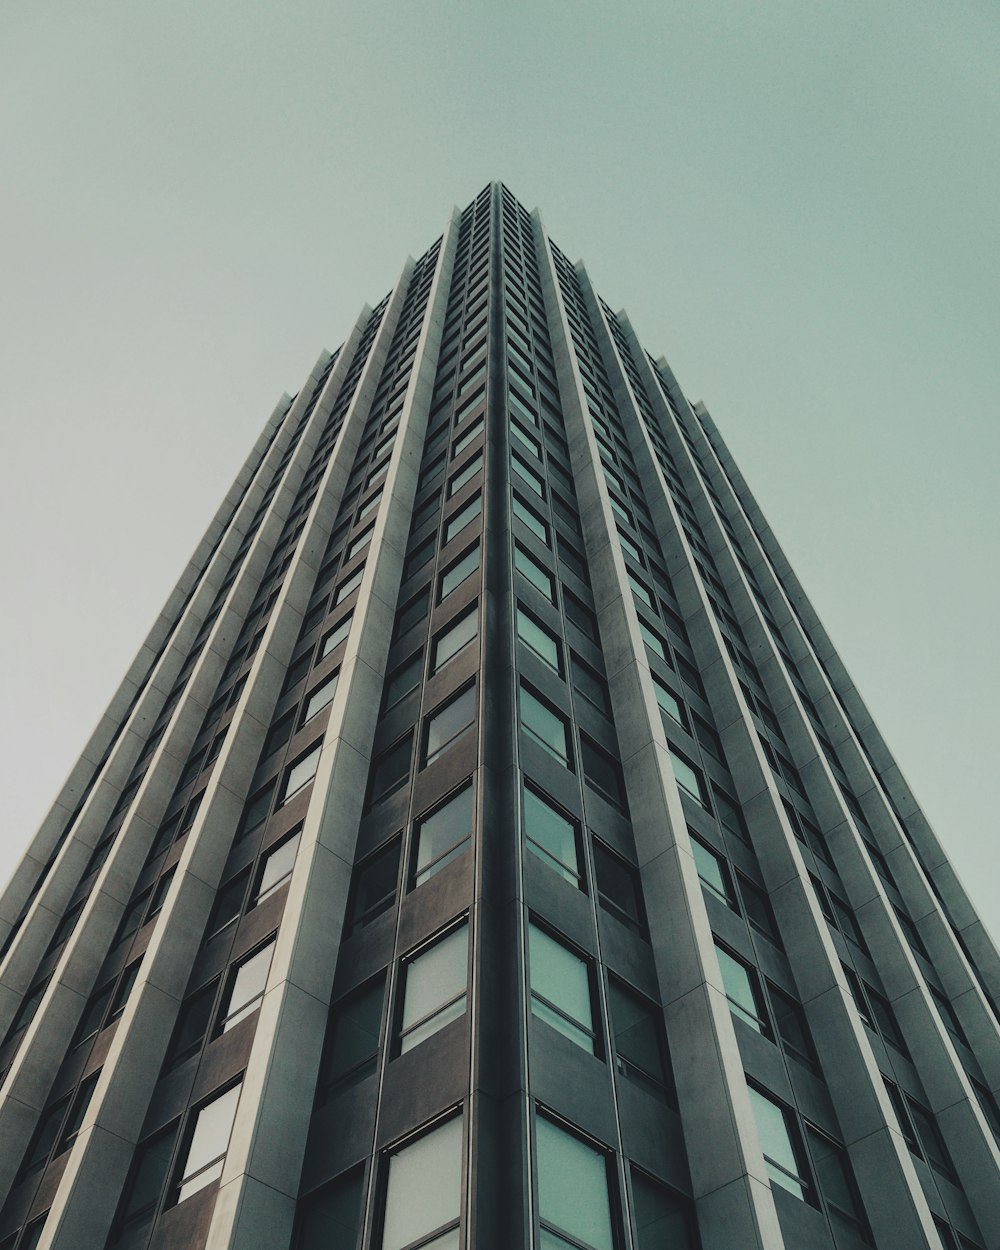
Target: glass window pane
{"points": [[534, 572], [662, 1218], [560, 988], [538, 639], [390, 770], [638, 1036], [552, 837], [618, 889], [456, 575], [247, 987], [352, 1042], [742, 992], [602, 772], [336, 636], [435, 988], [463, 517], [781, 1152], [448, 723], [278, 866], [531, 520], [424, 1190], [455, 638], [331, 1218], [688, 778], [301, 772], [403, 679], [375, 884], [572, 1187], [320, 697], [713, 872], [443, 835], [209, 1142], [546, 727], [669, 702], [148, 1175]]}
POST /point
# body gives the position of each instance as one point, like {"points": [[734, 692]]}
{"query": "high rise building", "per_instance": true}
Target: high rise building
{"points": [[487, 847]]}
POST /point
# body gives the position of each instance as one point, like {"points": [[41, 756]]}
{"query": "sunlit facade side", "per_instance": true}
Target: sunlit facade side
{"points": [[488, 849]]}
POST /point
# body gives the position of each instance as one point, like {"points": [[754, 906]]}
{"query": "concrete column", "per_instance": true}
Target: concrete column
{"points": [[728, 1173], [92, 1180], [260, 1181]]}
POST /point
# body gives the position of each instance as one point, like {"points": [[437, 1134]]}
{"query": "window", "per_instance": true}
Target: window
{"points": [[527, 475], [390, 770], [538, 639], [714, 873], [336, 636], [351, 1050], [348, 588], [935, 1151], [419, 556], [529, 568], [836, 1183], [443, 834], [602, 772], [207, 1143], [301, 772], [435, 990], [331, 1217], [320, 697], [579, 616], [531, 519], [618, 889], [423, 1194], [359, 544], [145, 1183], [42, 1140], [132, 918], [574, 1206], [552, 836], [545, 726], [465, 474], [159, 895], [374, 886], [463, 517], [192, 1025], [663, 1219], [412, 613], [277, 866], [246, 986], [454, 576], [746, 1000], [784, 1155], [790, 1021], [457, 636], [468, 437], [228, 904], [589, 684], [447, 723], [758, 909], [688, 777], [125, 983], [561, 989], [256, 810], [403, 678], [640, 1050]]}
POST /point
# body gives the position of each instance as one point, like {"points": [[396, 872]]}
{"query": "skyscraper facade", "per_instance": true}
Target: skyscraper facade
{"points": [[487, 847]]}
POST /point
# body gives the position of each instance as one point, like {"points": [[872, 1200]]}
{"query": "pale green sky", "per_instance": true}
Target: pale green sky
{"points": [[797, 202]]}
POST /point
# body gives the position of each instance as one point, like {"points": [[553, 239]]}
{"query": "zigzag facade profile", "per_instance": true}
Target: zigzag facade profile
{"points": [[487, 849]]}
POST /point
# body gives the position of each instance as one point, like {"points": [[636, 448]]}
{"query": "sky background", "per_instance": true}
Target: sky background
{"points": [[797, 202]]}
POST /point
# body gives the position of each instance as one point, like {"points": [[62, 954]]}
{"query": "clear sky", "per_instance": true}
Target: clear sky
{"points": [[797, 201]]}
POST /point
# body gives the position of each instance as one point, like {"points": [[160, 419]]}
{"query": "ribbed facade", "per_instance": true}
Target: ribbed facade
{"points": [[487, 847]]}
